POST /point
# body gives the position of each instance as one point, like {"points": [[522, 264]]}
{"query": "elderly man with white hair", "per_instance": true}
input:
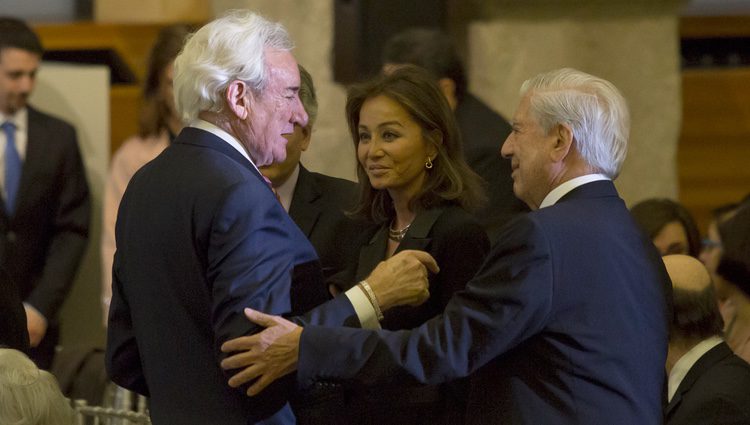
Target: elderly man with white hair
{"points": [[565, 322], [200, 235]]}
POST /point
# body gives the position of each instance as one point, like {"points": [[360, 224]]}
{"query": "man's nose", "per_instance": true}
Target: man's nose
{"points": [[299, 115], [505, 150], [26, 83]]}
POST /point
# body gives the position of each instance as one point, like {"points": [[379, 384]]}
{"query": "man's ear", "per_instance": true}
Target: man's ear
{"points": [[238, 98], [306, 136], [448, 87], [563, 141]]}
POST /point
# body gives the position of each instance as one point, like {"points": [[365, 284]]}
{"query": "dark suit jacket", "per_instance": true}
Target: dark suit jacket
{"points": [[459, 244], [565, 323], [42, 244], [199, 237], [716, 390], [453, 238], [318, 206], [483, 132], [13, 331]]}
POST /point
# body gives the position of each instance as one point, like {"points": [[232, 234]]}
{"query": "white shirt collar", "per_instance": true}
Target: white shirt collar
{"points": [[686, 362], [223, 135], [563, 189], [20, 119], [285, 192]]}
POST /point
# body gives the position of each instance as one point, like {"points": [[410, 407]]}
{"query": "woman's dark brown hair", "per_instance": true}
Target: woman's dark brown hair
{"points": [[653, 214], [450, 180], [155, 111]]}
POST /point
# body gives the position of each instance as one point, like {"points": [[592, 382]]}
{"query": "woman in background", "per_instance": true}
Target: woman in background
{"points": [[669, 225], [417, 189], [158, 126]]}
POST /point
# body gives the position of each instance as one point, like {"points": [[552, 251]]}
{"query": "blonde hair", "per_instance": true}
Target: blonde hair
{"points": [[28, 395]]}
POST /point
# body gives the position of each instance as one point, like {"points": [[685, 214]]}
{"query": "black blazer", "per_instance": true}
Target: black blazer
{"points": [[317, 207], [483, 132], [459, 244], [716, 390], [565, 323], [42, 244], [200, 236], [453, 238]]}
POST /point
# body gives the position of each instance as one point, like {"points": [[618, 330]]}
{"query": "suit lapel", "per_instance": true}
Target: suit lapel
{"points": [[305, 209], [416, 238], [418, 235], [372, 253], [706, 362]]}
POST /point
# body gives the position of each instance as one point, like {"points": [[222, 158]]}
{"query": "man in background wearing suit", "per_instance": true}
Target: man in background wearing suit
{"points": [[44, 219], [482, 129], [708, 384], [316, 202], [200, 235], [565, 322]]}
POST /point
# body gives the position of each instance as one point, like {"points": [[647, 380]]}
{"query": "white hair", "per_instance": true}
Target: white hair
{"points": [[593, 108], [229, 48], [28, 395]]}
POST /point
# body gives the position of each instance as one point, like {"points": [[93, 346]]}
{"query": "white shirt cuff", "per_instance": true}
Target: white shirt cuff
{"points": [[363, 308]]}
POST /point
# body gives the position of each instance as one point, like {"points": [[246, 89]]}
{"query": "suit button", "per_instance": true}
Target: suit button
{"points": [[11, 236]]}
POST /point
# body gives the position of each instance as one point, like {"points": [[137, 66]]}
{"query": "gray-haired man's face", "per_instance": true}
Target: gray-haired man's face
{"points": [[275, 112]]}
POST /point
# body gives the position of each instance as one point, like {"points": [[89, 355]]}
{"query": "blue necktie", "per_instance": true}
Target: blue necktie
{"points": [[12, 167]]}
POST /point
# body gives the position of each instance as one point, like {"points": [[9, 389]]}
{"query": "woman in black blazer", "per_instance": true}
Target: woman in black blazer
{"points": [[416, 187]]}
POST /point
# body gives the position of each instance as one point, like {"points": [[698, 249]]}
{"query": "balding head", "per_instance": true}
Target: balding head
{"points": [[687, 272], [696, 314]]}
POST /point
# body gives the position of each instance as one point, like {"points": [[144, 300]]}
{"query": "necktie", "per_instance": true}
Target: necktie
{"points": [[12, 167]]}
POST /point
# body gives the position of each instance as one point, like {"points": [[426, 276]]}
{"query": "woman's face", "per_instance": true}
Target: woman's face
{"points": [[672, 239], [391, 148]]}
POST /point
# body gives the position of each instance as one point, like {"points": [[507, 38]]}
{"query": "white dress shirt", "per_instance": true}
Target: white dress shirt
{"points": [[285, 192], [557, 193]]}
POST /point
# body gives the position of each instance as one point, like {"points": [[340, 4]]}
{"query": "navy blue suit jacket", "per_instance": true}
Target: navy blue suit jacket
{"points": [[199, 237], [565, 323]]}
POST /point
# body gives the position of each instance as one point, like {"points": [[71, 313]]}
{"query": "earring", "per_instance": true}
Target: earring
{"points": [[428, 163]]}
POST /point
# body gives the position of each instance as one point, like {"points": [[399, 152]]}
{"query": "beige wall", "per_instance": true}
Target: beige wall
{"points": [[79, 94]]}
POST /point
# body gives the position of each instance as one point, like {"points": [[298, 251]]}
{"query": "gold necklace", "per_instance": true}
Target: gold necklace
{"points": [[397, 235]]}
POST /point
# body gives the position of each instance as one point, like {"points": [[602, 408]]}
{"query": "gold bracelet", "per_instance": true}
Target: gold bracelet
{"points": [[370, 294]]}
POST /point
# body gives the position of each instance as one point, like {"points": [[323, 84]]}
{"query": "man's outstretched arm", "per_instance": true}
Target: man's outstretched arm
{"points": [[400, 280]]}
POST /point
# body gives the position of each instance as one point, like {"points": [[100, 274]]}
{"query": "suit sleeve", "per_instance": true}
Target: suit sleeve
{"points": [[508, 301], [71, 230], [252, 252], [123, 358]]}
